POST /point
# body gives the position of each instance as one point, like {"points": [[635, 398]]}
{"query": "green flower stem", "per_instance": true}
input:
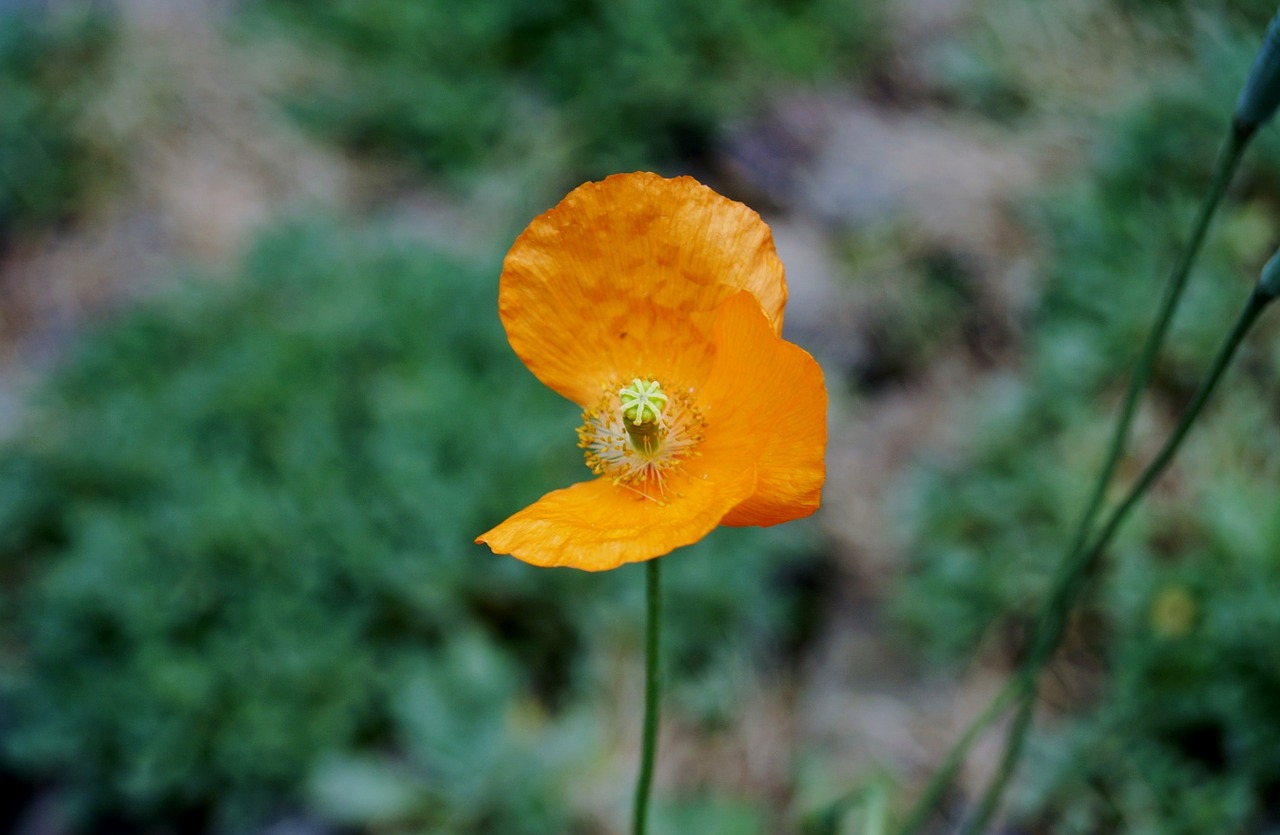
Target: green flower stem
{"points": [[946, 772], [1256, 303], [1009, 759], [1083, 563], [1224, 169], [652, 693]]}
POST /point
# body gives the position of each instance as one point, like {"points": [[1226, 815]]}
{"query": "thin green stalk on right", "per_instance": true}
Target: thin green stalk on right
{"points": [[1024, 686], [1256, 303], [1083, 563], [1224, 169]]}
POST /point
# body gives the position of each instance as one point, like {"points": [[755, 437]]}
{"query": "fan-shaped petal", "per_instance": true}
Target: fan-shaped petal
{"points": [[598, 525], [623, 279], [768, 393]]}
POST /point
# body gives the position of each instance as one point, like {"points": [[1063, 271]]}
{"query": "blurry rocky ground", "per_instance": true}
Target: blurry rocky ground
{"points": [[896, 204]]}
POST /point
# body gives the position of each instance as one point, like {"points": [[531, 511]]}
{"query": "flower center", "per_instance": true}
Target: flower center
{"points": [[641, 435], [642, 405]]}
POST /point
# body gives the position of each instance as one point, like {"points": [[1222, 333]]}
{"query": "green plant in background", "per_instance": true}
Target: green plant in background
{"points": [[1025, 65], [47, 163], [1185, 739], [1102, 239], [626, 85], [478, 754], [236, 543], [1188, 735]]}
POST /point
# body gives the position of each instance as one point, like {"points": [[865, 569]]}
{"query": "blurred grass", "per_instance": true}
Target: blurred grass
{"points": [[49, 162], [621, 86]]}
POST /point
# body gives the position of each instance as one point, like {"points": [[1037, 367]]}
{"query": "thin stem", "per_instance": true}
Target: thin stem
{"points": [[955, 757], [1224, 169], [1253, 308], [1008, 761], [1084, 562], [652, 694]]}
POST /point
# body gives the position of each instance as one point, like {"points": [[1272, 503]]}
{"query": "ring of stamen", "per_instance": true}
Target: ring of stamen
{"points": [[640, 436]]}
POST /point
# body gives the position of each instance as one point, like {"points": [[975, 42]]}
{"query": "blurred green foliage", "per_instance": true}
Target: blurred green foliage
{"points": [[1182, 734], [623, 85], [47, 64], [1023, 60], [237, 550], [1254, 14]]}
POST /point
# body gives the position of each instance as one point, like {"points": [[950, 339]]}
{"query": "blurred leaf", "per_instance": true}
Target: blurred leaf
{"points": [[720, 815], [637, 84], [364, 792], [47, 162]]}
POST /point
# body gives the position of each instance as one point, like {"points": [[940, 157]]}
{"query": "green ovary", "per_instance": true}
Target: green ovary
{"points": [[642, 404]]}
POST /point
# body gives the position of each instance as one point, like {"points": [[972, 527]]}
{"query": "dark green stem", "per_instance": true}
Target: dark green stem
{"points": [[1249, 314], [955, 757], [1009, 759], [652, 693], [1224, 168], [1083, 563]]}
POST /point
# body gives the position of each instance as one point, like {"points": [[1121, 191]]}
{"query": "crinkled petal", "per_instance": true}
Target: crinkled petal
{"points": [[769, 392], [623, 279], [597, 525]]}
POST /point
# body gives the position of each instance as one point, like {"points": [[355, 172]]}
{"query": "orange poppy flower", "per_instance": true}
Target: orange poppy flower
{"points": [[656, 305]]}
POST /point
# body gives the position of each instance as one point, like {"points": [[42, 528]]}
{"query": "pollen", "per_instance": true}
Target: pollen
{"points": [[640, 436]]}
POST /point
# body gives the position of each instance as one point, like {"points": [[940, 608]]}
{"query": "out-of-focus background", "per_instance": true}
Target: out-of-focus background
{"points": [[255, 403]]}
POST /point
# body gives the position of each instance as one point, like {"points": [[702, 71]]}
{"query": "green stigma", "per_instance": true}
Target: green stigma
{"points": [[643, 401], [642, 405]]}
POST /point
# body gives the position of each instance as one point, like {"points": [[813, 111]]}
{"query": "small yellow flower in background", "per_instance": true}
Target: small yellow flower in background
{"points": [[1173, 612], [656, 305]]}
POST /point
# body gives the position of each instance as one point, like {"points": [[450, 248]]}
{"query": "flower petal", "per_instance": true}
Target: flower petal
{"points": [[623, 278], [597, 525], [769, 393]]}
